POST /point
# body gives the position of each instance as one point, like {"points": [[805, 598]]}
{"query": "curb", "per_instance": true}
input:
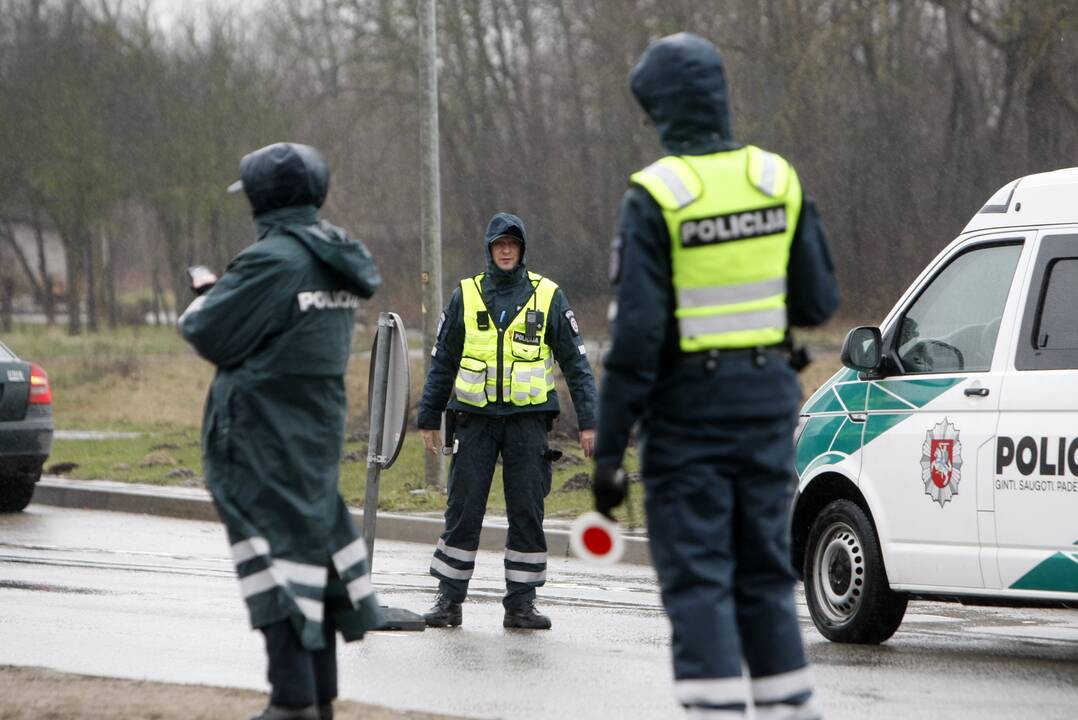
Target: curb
{"points": [[195, 504]]}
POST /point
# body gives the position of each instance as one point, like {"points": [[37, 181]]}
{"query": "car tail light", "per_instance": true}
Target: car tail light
{"points": [[40, 390]]}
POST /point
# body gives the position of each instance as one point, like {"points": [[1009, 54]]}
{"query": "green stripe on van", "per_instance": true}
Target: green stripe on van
{"points": [[848, 439], [816, 439], [853, 395], [919, 392], [888, 402], [826, 402], [879, 423], [1058, 573]]}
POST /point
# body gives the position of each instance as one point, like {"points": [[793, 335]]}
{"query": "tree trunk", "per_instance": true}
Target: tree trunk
{"points": [[7, 302], [8, 233], [74, 255], [91, 282], [110, 281], [48, 299], [155, 299]]}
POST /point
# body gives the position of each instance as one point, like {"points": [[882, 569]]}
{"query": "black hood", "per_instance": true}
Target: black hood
{"points": [[506, 224], [681, 84], [284, 175]]}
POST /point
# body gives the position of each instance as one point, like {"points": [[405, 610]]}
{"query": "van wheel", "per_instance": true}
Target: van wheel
{"points": [[846, 585], [16, 491]]}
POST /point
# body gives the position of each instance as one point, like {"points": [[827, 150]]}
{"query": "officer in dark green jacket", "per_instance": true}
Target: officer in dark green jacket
{"points": [[278, 326], [718, 252], [493, 363]]}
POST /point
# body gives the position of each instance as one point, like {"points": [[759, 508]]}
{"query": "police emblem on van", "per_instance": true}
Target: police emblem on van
{"points": [[941, 462]]}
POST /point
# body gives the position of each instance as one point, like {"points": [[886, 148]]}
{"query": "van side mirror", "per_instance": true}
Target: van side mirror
{"points": [[863, 349]]}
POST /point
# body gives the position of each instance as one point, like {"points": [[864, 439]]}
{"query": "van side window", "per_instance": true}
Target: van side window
{"points": [[1057, 327], [953, 324], [1049, 335]]}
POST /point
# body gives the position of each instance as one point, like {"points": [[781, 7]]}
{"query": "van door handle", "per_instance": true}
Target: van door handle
{"points": [[978, 391]]}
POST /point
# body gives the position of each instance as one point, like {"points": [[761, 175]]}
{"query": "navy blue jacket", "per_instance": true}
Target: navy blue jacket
{"points": [[681, 84], [505, 293]]}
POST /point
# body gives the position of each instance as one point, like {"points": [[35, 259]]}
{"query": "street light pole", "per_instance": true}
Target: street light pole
{"points": [[430, 255]]}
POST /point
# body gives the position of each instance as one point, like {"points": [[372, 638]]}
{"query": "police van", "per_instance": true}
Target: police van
{"points": [[942, 461]]}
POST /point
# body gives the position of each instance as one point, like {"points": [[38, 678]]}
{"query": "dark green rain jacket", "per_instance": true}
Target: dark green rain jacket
{"points": [[278, 326]]}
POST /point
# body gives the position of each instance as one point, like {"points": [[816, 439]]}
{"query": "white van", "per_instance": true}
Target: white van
{"points": [[942, 461]]}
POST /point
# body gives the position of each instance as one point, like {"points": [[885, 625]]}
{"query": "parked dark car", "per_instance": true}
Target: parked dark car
{"points": [[25, 428]]}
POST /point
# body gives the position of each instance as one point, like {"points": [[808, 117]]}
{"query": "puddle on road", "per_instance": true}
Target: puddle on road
{"points": [[49, 587]]}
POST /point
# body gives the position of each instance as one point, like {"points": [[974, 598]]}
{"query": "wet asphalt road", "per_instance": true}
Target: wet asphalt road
{"points": [[152, 598]]}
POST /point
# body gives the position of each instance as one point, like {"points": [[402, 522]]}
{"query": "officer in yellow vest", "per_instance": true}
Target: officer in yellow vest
{"points": [[493, 364], [717, 252]]}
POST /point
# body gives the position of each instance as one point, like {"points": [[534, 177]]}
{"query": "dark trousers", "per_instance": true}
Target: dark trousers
{"points": [[718, 502], [300, 677], [521, 441]]}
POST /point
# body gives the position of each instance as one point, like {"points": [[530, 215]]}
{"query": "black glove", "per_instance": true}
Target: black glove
{"points": [[609, 486]]}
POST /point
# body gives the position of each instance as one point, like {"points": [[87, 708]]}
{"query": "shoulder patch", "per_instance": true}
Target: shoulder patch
{"points": [[572, 322]]}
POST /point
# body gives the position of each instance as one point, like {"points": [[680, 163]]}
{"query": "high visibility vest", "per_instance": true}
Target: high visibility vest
{"points": [[731, 217], [519, 354]]}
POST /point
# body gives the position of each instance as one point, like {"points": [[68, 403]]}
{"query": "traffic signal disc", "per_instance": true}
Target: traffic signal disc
{"points": [[596, 538]]}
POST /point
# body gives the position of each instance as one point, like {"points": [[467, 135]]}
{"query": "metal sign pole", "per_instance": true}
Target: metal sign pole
{"points": [[375, 458], [388, 392], [430, 202]]}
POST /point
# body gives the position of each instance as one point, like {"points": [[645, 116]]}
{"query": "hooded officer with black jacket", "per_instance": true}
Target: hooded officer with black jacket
{"points": [[493, 365], [718, 252], [278, 326]]}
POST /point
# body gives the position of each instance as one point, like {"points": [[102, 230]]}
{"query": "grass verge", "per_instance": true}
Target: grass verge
{"points": [[149, 381]]}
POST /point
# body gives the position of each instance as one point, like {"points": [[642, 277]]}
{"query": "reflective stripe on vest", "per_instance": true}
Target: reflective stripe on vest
{"points": [[527, 368], [729, 247]]}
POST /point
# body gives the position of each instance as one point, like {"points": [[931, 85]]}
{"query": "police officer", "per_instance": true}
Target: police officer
{"points": [[717, 252], [278, 326], [493, 363]]}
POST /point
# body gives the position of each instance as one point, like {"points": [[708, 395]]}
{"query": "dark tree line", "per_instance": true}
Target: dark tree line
{"points": [[902, 117]]}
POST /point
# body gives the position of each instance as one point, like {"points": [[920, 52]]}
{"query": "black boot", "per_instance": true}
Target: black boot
{"points": [[527, 617], [280, 712], [444, 612], [325, 712]]}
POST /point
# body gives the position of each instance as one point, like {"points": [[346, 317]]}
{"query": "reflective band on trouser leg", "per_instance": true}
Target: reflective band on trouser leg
{"points": [[713, 697], [467, 556], [525, 567], [715, 324], [730, 294], [452, 563], [785, 696]]}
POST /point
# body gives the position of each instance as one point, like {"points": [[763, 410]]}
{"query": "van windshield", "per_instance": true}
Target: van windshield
{"points": [[953, 324]]}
